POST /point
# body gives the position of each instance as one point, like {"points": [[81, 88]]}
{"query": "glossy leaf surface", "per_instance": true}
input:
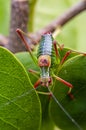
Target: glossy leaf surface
{"points": [[73, 71], [26, 60], [19, 105]]}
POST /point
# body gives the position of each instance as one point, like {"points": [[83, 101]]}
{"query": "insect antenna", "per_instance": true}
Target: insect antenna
{"points": [[21, 33], [56, 32], [27, 35], [64, 110]]}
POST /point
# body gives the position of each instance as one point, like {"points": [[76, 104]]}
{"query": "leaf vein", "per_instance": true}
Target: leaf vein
{"points": [[8, 123], [9, 102]]}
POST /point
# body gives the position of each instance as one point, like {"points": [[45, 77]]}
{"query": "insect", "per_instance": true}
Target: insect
{"points": [[48, 59]]}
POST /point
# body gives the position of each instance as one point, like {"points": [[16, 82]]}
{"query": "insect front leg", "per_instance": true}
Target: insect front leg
{"points": [[38, 82], [34, 73], [67, 84]]}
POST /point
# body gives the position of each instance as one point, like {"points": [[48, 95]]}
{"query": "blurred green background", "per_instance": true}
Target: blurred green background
{"points": [[73, 33]]}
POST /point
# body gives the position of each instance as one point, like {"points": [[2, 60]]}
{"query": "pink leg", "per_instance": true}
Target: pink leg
{"points": [[38, 82], [65, 57], [68, 53], [34, 72], [67, 84], [70, 95], [56, 49], [21, 33], [64, 82], [44, 93], [77, 52], [60, 46], [23, 39]]}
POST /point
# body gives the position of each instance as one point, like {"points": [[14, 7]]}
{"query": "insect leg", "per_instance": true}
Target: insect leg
{"points": [[38, 82], [67, 84], [44, 93], [77, 52], [55, 43], [35, 73], [56, 49], [68, 53], [21, 33], [39, 92], [60, 46], [63, 81], [65, 57]]}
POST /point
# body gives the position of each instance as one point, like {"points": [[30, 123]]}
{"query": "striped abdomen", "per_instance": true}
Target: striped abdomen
{"points": [[45, 56], [45, 46]]}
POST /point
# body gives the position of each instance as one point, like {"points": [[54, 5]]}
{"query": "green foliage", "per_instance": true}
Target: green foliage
{"points": [[17, 101], [32, 4], [4, 16], [20, 109], [73, 70], [18, 104], [26, 60]]}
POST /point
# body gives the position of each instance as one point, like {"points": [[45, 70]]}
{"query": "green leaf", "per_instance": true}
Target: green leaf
{"points": [[73, 71], [26, 60], [28, 63], [19, 104]]}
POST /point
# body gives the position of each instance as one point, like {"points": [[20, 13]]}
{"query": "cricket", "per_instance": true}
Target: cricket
{"points": [[47, 59]]}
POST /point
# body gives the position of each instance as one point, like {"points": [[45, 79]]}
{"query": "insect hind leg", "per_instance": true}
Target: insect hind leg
{"points": [[67, 84], [21, 35], [55, 44], [38, 82]]}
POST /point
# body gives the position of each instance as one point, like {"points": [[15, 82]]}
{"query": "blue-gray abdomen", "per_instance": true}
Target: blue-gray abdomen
{"points": [[45, 46]]}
